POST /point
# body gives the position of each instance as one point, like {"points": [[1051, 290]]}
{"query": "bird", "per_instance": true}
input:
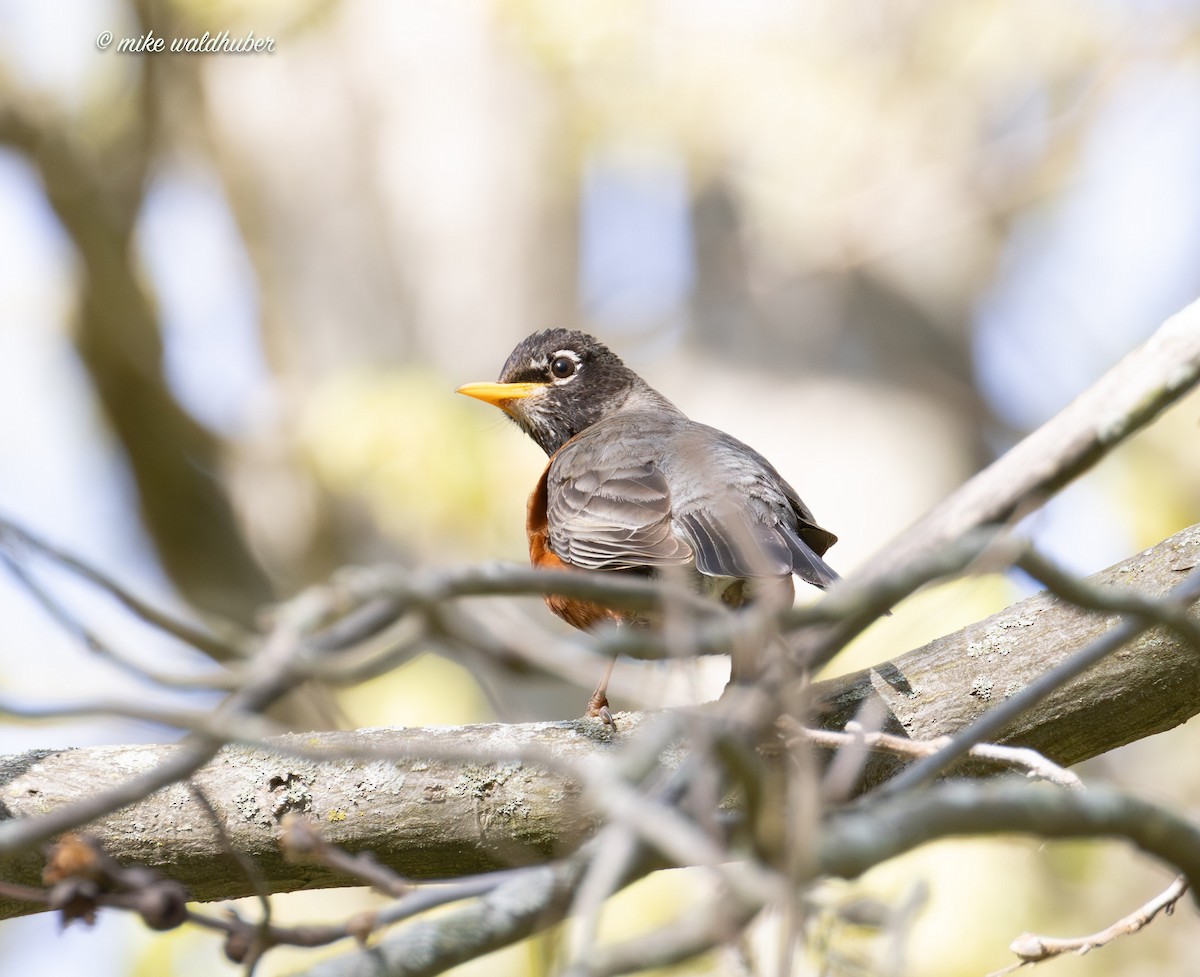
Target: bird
{"points": [[633, 485]]}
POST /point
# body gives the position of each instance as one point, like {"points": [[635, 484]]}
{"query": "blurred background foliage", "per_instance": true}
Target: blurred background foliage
{"points": [[879, 241]]}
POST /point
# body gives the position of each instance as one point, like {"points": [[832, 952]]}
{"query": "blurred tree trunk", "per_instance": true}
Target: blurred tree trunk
{"points": [[96, 190], [173, 459]]}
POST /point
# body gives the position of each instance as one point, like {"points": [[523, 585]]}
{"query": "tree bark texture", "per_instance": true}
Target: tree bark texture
{"points": [[1150, 685], [431, 814]]}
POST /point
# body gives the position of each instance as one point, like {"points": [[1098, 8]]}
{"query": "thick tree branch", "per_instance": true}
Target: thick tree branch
{"points": [[437, 813], [445, 802], [1076, 664], [1150, 685]]}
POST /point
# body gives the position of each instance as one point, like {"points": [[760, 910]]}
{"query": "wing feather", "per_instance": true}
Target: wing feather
{"points": [[614, 519]]}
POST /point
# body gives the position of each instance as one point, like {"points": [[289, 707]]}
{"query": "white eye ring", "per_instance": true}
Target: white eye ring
{"points": [[563, 365]]}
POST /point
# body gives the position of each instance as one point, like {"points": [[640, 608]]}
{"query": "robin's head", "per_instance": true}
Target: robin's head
{"points": [[557, 383]]}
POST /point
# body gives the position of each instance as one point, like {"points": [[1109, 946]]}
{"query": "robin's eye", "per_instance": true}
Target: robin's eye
{"points": [[562, 367]]}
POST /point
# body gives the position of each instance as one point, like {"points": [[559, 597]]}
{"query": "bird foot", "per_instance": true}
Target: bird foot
{"points": [[597, 708]]}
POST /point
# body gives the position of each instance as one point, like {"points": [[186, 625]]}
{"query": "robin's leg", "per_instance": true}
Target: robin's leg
{"points": [[598, 703]]}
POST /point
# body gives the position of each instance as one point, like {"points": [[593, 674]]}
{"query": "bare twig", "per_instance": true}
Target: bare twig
{"points": [[231, 644], [247, 941], [1127, 602], [525, 903], [1032, 948], [250, 869], [300, 842], [93, 642], [1021, 758], [715, 922], [424, 589], [250, 728]]}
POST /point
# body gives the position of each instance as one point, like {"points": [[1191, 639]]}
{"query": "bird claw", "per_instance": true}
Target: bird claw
{"points": [[597, 708]]}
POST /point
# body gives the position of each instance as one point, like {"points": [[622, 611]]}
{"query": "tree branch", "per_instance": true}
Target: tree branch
{"points": [[1150, 685], [430, 803], [1032, 948], [444, 802], [1125, 399], [855, 841]]}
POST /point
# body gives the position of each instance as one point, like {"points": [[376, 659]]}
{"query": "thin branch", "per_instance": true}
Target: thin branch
{"points": [[230, 646], [715, 922], [246, 941], [616, 852], [1127, 398], [1020, 758], [250, 869], [1032, 948], [422, 589], [250, 728], [1110, 600], [300, 843], [66, 620], [271, 676], [525, 904]]}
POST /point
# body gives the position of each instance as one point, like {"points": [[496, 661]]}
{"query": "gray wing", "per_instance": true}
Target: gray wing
{"points": [[732, 543], [717, 500], [613, 519], [742, 518]]}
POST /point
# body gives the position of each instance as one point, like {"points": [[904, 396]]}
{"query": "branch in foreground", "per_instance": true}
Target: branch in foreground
{"points": [[527, 904], [409, 796], [1150, 685], [850, 843], [855, 841]]}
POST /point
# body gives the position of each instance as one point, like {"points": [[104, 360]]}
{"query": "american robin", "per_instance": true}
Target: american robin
{"points": [[633, 485]]}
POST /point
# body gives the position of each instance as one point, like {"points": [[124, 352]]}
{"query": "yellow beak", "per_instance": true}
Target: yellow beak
{"points": [[500, 394]]}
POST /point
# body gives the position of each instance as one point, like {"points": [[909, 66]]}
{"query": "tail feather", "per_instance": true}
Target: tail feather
{"points": [[807, 565]]}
